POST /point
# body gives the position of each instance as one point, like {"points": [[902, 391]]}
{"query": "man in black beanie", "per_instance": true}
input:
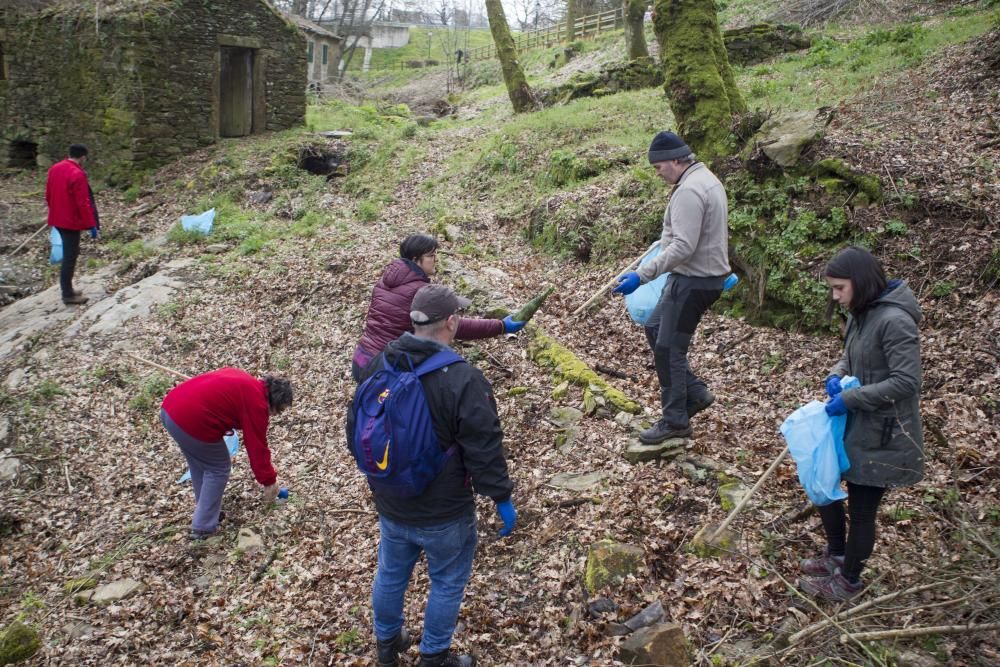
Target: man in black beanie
{"points": [[694, 248]]}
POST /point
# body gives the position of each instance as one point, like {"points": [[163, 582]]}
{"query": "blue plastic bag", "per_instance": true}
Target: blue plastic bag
{"points": [[816, 442], [643, 300], [232, 441], [199, 223], [56, 253]]}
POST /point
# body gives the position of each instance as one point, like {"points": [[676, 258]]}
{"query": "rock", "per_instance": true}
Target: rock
{"points": [[83, 597], [10, 467], [702, 462], [499, 274], [77, 630], [18, 642], [731, 494], [664, 645], [652, 614], [336, 134], [615, 629], [215, 248], [561, 390], [915, 658], [784, 136], [454, 233], [202, 583], [117, 590], [623, 419], [577, 481], [15, 377], [424, 121], [565, 416], [249, 540], [601, 606], [752, 44], [260, 196], [609, 562], [636, 452], [4, 429]]}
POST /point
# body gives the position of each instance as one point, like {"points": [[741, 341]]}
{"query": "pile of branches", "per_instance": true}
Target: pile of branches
{"points": [[814, 12]]}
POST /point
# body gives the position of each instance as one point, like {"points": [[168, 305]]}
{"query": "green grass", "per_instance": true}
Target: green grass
{"points": [[834, 70], [442, 42]]}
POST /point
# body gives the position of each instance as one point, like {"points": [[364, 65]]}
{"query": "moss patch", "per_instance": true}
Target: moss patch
{"points": [[546, 352], [609, 562], [835, 174], [18, 642]]}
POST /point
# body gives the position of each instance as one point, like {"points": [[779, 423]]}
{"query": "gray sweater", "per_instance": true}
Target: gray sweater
{"points": [[695, 240], [884, 440]]}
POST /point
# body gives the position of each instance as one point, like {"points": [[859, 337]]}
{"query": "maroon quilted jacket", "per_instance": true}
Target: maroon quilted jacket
{"points": [[389, 312]]}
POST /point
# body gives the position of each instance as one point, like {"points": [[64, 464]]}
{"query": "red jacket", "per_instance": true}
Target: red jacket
{"points": [[206, 406], [68, 195], [389, 312]]}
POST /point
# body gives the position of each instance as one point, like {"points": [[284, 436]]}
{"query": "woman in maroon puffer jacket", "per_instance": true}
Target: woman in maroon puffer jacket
{"points": [[389, 313]]}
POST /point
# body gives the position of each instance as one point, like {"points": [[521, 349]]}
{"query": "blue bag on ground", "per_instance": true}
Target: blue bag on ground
{"points": [[816, 442], [393, 440], [643, 300], [201, 223], [56, 253], [232, 441]]}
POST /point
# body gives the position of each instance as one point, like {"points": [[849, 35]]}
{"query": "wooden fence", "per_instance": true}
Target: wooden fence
{"points": [[584, 27]]}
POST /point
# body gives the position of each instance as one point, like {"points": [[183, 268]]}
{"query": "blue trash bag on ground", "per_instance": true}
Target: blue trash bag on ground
{"points": [[232, 441], [643, 300], [816, 442], [56, 252], [201, 223]]}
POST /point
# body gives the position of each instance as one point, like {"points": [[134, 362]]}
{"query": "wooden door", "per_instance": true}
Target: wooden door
{"points": [[235, 92]]}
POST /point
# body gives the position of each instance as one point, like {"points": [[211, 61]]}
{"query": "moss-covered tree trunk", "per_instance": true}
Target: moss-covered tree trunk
{"points": [[635, 36], [518, 90], [699, 81], [570, 20]]}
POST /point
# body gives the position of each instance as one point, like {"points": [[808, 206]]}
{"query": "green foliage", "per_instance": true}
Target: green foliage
{"points": [[896, 227], [46, 390], [150, 392], [180, 236], [943, 288], [368, 210]]}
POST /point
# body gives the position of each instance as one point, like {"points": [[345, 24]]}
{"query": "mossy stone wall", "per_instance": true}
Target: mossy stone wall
{"points": [[140, 86]]}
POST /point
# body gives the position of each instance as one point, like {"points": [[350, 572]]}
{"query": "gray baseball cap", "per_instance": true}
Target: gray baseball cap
{"points": [[434, 302]]}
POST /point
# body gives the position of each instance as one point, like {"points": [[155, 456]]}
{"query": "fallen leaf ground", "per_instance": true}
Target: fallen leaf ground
{"points": [[98, 493]]}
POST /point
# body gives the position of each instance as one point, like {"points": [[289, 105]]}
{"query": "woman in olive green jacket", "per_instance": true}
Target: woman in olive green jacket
{"points": [[883, 440]]}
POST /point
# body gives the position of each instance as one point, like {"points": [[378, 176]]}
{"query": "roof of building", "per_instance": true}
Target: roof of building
{"points": [[314, 28]]}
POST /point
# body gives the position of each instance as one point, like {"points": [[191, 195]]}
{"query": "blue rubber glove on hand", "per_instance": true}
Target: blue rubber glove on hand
{"points": [[833, 386], [628, 283], [835, 406], [512, 326], [93, 232], [509, 515]]}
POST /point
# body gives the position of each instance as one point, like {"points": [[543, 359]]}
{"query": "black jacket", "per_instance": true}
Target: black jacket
{"points": [[464, 412]]}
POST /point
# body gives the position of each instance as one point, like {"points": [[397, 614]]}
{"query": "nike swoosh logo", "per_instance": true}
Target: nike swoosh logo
{"points": [[384, 463]]}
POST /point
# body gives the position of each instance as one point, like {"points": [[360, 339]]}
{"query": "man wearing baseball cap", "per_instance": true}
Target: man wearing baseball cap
{"points": [[441, 522], [694, 248]]}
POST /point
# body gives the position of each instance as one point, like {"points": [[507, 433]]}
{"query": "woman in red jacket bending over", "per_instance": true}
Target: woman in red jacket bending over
{"points": [[389, 313], [198, 412]]}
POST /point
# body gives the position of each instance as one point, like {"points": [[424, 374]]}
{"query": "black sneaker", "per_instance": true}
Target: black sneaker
{"points": [[388, 651], [700, 403], [446, 659], [661, 431]]}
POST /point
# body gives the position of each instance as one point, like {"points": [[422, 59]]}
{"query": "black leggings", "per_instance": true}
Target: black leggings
{"points": [[856, 546], [71, 250]]}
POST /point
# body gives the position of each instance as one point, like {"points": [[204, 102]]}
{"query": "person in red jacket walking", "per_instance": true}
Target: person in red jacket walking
{"points": [[389, 313], [199, 411], [71, 211]]}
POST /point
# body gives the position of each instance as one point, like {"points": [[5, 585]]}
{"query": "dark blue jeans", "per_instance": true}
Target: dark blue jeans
{"points": [[71, 251], [450, 548]]}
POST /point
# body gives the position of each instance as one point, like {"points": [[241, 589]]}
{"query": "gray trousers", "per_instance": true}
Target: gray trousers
{"points": [[669, 331], [210, 464]]}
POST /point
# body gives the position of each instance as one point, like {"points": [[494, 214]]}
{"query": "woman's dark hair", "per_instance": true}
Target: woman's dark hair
{"points": [[279, 393], [416, 246], [863, 270]]}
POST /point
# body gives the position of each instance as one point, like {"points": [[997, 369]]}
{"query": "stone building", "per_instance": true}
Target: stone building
{"points": [[142, 82], [322, 51]]}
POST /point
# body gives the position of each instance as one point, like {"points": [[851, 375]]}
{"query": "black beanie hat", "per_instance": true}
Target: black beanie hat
{"points": [[667, 146]]}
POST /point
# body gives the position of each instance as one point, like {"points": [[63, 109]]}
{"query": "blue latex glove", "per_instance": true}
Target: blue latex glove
{"points": [[835, 406], [93, 232], [833, 386], [628, 283], [512, 326], [509, 515]]}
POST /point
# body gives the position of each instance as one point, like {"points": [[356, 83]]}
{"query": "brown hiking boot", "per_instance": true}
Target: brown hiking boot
{"points": [[77, 299], [822, 566], [834, 587]]}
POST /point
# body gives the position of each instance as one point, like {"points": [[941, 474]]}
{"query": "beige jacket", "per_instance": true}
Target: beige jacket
{"points": [[695, 239]]}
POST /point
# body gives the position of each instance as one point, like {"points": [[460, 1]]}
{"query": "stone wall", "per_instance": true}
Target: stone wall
{"points": [[143, 88]]}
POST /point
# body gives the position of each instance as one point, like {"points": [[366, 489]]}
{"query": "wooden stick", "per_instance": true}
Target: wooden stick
{"points": [[25, 241], [919, 631], [611, 283], [739, 506], [847, 613], [156, 365]]}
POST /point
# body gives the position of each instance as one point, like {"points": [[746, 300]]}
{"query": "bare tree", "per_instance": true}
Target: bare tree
{"points": [[444, 12], [635, 36], [521, 96]]}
